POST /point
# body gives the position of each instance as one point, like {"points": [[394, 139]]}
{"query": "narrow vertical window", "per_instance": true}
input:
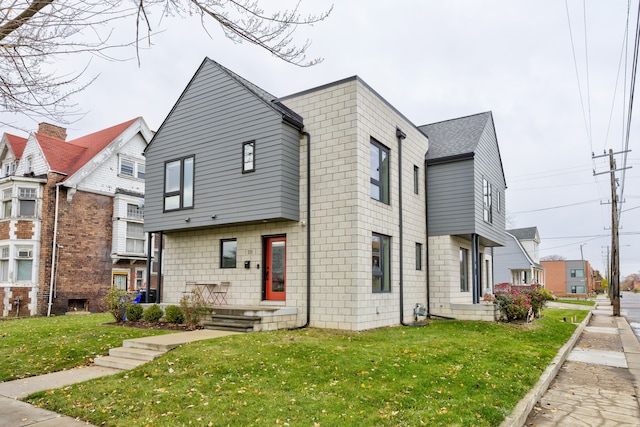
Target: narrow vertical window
{"points": [[4, 264], [228, 253], [379, 163], [464, 270], [418, 256], [487, 198], [416, 179], [380, 263], [178, 184], [6, 203], [248, 156]]}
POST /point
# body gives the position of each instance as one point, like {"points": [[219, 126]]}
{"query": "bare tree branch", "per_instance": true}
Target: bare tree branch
{"points": [[34, 32]]}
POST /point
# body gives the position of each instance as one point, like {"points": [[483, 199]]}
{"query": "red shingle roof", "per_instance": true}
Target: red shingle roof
{"points": [[69, 157], [17, 144]]}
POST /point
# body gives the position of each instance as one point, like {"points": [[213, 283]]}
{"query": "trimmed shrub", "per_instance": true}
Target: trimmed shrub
{"points": [[193, 307], [173, 314], [116, 302], [134, 312], [153, 313]]}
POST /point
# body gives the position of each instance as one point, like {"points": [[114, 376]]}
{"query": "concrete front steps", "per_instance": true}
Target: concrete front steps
{"points": [[244, 318], [138, 351], [129, 356]]}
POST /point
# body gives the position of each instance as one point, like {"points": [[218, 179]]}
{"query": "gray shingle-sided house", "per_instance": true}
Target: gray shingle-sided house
{"points": [[518, 261], [311, 207], [465, 212]]}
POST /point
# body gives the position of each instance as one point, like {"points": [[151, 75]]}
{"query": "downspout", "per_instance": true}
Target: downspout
{"points": [[53, 250], [308, 135], [401, 136]]}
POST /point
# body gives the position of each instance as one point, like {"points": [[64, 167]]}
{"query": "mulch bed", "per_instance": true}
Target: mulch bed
{"points": [[156, 325]]}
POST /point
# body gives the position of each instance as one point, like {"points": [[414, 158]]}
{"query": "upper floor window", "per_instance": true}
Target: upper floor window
{"points": [[135, 211], [9, 168], [487, 198], [135, 238], [132, 168], [6, 203], [178, 183], [248, 156], [229, 250], [577, 272], [380, 263], [27, 202], [379, 159], [416, 179], [28, 165]]}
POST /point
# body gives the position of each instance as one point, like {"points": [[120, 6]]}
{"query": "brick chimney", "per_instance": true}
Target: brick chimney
{"points": [[52, 131]]}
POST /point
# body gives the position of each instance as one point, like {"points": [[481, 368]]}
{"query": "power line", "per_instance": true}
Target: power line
{"points": [[555, 207]]}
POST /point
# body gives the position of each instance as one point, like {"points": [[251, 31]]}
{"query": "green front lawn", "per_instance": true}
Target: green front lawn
{"points": [[449, 373], [39, 345]]}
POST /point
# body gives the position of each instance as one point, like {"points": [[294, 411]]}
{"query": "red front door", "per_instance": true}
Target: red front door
{"points": [[276, 267]]}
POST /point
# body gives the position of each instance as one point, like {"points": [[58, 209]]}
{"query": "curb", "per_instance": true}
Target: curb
{"points": [[519, 415]]}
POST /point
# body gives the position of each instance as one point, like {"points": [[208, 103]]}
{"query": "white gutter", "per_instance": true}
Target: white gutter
{"points": [[53, 251]]}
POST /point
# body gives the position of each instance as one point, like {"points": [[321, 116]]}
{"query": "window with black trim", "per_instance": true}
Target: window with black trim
{"points": [[487, 198], [228, 253], [380, 263], [464, 270], [418, 256], [248, 156], [416, 179], [379, 160], [178, 183]]}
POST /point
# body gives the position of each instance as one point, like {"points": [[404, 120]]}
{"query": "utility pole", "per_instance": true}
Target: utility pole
{"points": [[614, 272]]}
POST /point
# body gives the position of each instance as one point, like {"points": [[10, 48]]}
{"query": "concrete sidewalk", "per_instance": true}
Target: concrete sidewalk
{"points": [[14, 413], [597, 383]]}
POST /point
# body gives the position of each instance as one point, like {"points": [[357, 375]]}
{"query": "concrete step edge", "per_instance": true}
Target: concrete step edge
{"points": [[135, 353], [117, 362]]}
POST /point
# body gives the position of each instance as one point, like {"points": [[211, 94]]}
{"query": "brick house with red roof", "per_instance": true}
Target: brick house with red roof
{"points": [[71, 218]]}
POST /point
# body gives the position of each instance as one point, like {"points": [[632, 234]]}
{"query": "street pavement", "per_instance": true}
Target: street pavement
{"points": [[630, 308]]}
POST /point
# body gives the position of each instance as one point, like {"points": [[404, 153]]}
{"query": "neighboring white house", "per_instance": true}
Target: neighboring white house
{"points": [[518, 262]]}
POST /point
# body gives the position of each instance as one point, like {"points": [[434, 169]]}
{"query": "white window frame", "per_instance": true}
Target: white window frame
{"points": [[7, 201], [24, 254], [135, 239], [137, 168], [5, 253], [26, 198]]}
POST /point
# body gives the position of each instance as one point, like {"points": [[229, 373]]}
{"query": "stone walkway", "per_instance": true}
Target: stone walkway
{"points": [[598, 384]]}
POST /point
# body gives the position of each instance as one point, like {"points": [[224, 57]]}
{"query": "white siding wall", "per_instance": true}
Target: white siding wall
{"points": [[105, 178]]}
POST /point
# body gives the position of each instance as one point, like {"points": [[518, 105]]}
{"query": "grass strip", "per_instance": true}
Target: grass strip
{"points": [[39, 345], [451, 373]]}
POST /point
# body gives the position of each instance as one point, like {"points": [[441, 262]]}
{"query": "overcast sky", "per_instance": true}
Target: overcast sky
{"points": [[437, 60]]}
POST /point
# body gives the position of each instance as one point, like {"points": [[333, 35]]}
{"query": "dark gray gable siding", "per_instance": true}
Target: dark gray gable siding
{"points": [[489, 165], [214, 116], [450, 198]]}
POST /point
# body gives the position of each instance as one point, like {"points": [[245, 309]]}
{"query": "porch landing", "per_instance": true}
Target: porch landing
{"points": [[250, 318]]}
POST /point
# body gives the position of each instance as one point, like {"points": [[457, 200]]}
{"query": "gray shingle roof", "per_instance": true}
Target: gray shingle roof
{"points": [[268, 98], [455, 137], [528, 233]]}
